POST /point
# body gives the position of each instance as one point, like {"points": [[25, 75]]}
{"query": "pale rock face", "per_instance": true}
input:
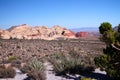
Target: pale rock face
{"points": [[5, 34], [38, 32]]}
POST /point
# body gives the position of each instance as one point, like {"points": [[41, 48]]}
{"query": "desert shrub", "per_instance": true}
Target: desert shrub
{"points": [[25, 68], [74, 54], [16, 63], [86, 79], [66, 63], [35, 70], [11, 58], [6, 72], [58, 63]]}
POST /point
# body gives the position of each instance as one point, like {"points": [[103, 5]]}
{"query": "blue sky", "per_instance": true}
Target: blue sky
{"points": [[66, 13]]}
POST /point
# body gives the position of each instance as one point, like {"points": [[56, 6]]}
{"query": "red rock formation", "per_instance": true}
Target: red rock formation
{"points": [[81, 34], [69, 33]]}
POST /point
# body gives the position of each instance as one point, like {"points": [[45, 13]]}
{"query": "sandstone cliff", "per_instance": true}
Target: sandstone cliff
{"points": [[37, 32]]}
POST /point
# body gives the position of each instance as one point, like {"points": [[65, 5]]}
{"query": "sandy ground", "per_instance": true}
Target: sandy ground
{"points": [[51, 75], [99, 75]]}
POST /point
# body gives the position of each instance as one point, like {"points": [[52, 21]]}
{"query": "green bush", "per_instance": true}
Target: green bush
{"points": [[58, 63], [67, 63], [8, 72], [35, 70]]}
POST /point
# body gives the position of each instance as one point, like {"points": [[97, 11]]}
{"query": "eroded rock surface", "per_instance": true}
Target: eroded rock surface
{"points": [[38, 32]]}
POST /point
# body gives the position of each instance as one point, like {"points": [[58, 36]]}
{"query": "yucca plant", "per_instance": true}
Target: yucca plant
{"points": [[65, 63], [37, 65], [57, 61], [35, 70]]}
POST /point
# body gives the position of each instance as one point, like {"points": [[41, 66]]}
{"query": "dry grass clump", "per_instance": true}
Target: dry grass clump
{"points": [[14, 61], [35, 70], [69, 63], [7, 72], [87, 79]]}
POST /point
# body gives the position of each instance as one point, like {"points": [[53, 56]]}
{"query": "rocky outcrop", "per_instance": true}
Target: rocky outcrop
{"points": [[4, 34], [1, 31], [81, 34], [68, 33], [38, 32]]}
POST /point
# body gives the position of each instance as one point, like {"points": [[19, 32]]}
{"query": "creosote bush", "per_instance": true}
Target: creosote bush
{"points": [[35, 70], [7, 72]]}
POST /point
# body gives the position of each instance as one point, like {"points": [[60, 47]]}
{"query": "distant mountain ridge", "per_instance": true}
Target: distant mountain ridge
{"points": [[85, 29]]}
